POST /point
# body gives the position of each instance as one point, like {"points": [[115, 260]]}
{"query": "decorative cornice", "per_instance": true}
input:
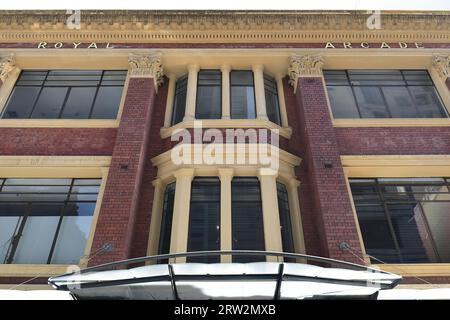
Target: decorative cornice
{"points": [[146, 66], [442, 65], [7, 64], [223, 27], [304, 66]]}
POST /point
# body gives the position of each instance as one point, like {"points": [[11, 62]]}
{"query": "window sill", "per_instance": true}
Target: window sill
{"points": [[285, 132], [417, 270], [404, 122], [32, 270], [58, 123]]}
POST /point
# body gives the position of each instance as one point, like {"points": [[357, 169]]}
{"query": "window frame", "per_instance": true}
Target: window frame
{"points": [[231, 96], [172, 116], [196, 94]]}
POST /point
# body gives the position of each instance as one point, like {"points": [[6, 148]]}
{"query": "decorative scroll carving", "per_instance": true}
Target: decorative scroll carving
{"points": [[148, 66], [304, 66], [7, 64], [442, 65]]}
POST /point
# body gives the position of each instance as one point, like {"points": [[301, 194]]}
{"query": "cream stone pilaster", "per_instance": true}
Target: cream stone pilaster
{"points": [[294, 206], [441, 63], [281, 100], [180, 224], [9, 73], [7, 65], [170, 99], [225, 91], [260, 98], [146, 66], [271, 218], [226, 242], [304, 66], [191, 95], [155, 224]]}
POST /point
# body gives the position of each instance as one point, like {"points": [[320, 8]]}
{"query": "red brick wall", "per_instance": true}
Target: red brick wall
{"points": [[327, 186], [395, 140], [57, 141], [123, 188]]}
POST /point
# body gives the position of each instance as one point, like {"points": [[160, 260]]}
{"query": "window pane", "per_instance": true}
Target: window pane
{"points": [[179, 103], [73, 233], [49, 103], [399, 102], [437, 219], [272, 105], [241, 78], [79, 103], [10, 215], [166, 221], [204, 218], [427, 101], [371, 102], [243, 103], [21, 102], [107, 103], [209, 95], [342, 102], [247, 221], [285, 219]]}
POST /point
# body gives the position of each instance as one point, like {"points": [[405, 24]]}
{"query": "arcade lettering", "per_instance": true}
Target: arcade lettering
{"points": [[366, 45]]}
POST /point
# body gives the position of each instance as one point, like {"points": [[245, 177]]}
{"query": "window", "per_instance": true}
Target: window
{"points": [[247, 219], [204, 218], [166, 221], [272, 103], [285, 218], [179, 102], [45, 221], [383, 94], [209, 95], [404, 220], [242, 95], [66, 94]]}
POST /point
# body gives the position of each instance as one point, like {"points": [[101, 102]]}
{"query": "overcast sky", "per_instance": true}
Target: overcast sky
{"points": [[230, 4]]}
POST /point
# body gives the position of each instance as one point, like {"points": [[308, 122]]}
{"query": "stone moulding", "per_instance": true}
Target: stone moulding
{"points": [[146, 66]]}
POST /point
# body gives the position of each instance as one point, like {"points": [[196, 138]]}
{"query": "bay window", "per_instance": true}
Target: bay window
{"points": [[66, 94]]}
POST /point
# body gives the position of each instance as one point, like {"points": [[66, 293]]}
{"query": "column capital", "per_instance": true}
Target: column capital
{"points": [[267, 173], [441, 63], [157, 183], [225, 173], [193, 68], [184, 172], [146, 66], [304, 66], [7, 65], [258, 67], [225, 68]]}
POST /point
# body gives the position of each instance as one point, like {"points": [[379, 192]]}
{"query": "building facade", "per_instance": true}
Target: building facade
{"points": [[101, 124]]}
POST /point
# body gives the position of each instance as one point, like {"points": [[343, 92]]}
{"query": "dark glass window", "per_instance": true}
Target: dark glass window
{"points": [[285, 219], [404, 220], [66, 94], [166, 221], [247, 219], [179, 101], [45, 221], [209, 95], [272, 103], [204, 218], [383, 94], [242, 95]]}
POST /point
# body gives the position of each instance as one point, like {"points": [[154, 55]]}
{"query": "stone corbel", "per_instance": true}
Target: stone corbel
{"points": [[441, 63], [304, 66], [7, 65], [146, 66]]}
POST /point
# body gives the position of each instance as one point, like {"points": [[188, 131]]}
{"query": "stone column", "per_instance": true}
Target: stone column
{"points": [[331, 202], [121, 197], [226, 113], [281, 100], [191, 94], [441, 63], [260, 97], [226, 242], [155, 224]]}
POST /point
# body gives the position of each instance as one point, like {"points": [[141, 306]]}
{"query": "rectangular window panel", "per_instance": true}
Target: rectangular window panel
{"points": [[166, 221], [179, 102], [272, 104], [242, 95], [209, 95], [247, 219], [204, 218], [67, 94], [40, 223], [407, 222], [383, 94], [285, 219]]}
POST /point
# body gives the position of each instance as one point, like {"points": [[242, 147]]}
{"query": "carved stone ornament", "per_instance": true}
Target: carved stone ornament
{"points": [[7, 64], [147, 66], [442, 65], [304, 66]]}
